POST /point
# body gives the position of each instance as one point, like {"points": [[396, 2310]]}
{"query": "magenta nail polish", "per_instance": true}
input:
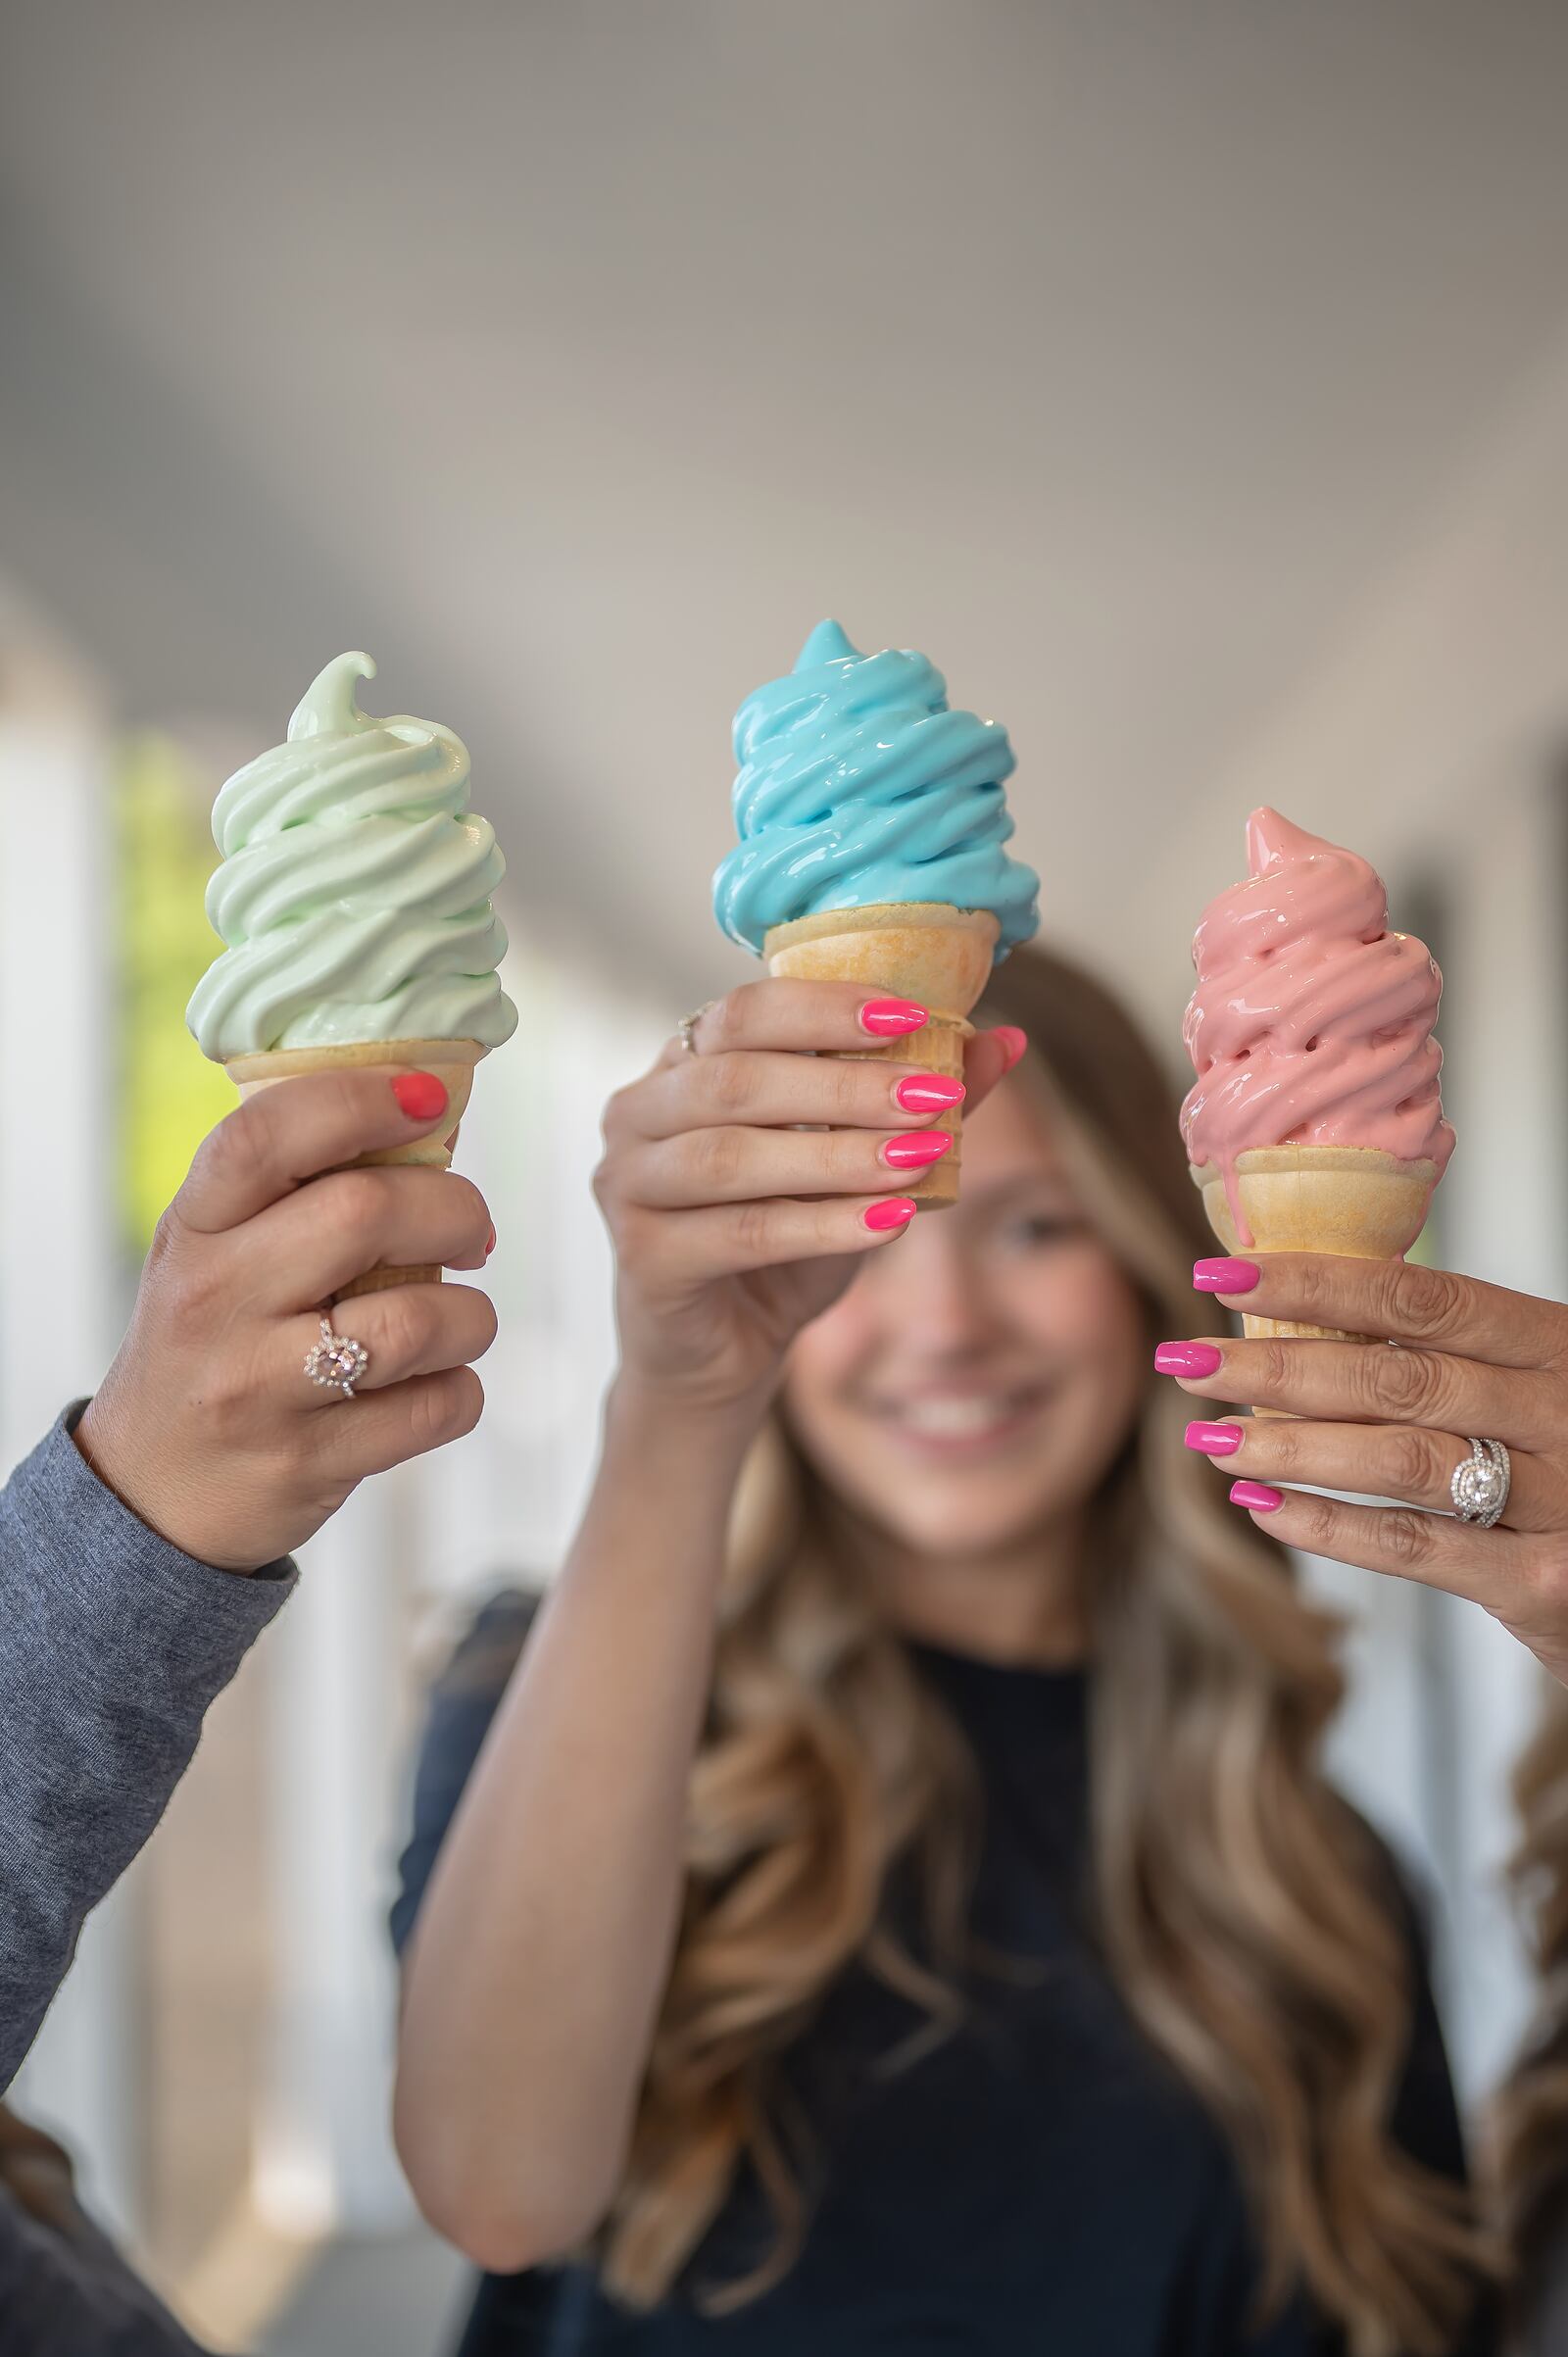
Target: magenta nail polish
{"points": [[913, 1152], [928, 1093], [1187, 1358], [1225, 1276], [893, 1211], [1013, 1040], [1214, 1440], [891, 1019], [1256, 1496]]}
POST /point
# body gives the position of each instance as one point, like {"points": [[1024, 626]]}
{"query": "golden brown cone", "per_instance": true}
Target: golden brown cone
{"points": [[922, 949], [452, 1061], [1353, 1201]]}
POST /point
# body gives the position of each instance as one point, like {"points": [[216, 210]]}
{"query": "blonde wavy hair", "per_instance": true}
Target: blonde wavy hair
{"points": [[1530, 2124], [1246, 1917]]}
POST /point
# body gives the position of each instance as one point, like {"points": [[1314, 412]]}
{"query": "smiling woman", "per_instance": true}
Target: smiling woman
{"points": [[924, 1912]]}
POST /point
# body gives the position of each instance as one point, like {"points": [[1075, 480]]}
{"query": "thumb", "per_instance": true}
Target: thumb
{"points": [[989, 1058]]}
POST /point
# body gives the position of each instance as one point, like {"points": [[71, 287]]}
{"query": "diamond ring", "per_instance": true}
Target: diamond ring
{"points": [[1480, 1485], [687, 1026], [336, 1360]]}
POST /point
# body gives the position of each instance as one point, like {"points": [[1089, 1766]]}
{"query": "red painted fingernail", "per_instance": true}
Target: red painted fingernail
{"points": [[893, 1211], [420, 1095], [1256, 1496], [1014, 1040], [1187, 1358], [928, 1093], [891, 1019], [1214, 1440], [1225, 1276], [491, 1245], [912, 1154]]}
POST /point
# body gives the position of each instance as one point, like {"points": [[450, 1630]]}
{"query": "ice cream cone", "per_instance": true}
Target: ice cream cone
{"points": [[922, 949], [1353, 1200], [451, 1060]]}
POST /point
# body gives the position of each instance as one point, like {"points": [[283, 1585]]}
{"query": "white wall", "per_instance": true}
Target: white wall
{"points": [[58, 1291]]}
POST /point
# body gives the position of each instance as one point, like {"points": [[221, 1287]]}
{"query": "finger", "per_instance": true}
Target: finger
{"points": [[744, 1165], [342, 1226], [778, 1012], [731, 1239], [1455, 1556], [295, 1129], [371, 1433], [771, 1090], [988, 1058], [407, 1330], [1367, 1383], [1397, 1300], [1406, 1461]]}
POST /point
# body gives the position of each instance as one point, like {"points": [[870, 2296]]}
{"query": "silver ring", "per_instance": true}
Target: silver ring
{"points": [[338, 1360], [687, 1026], [1481, 1484]]}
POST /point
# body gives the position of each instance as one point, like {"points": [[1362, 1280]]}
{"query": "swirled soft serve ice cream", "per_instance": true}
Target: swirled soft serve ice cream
{"points": [[1314, 1122], [872, 830], [354, 900]]}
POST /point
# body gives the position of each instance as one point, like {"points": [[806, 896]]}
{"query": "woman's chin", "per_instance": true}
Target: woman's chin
{"points": [[938, 1517]]}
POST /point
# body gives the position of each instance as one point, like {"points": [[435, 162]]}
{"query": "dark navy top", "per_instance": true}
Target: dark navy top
{"points": [[1039, 2180]]}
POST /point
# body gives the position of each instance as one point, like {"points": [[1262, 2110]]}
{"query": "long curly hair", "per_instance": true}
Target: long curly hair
{"points": [[1245, 1915], [1530, 2122]]}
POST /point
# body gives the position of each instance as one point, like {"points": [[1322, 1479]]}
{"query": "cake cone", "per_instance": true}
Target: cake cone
{"points": [[1353, 1200], [923, 950], [451, 1060]]}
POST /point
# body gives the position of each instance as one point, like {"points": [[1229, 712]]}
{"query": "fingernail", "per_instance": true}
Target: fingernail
{"points": [[1256, 1496], [1014, 1040], [928, 1093], [893, 1211], [891, 1019], [420, 1095], [1187, 1358], [1214, 1440], [491, 1245], [912, 1154], [1225, 1276]]}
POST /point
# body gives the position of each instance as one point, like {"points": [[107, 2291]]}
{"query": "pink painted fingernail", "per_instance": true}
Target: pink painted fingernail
{"points": [[913, 1152], [1214, 1440], [1014, 1040], [491, 1245], [1256, 1496], [928, 1093], [893, 1211], [891, 1019], [1187, 1358], [1225, 1276], [420, 1095]]}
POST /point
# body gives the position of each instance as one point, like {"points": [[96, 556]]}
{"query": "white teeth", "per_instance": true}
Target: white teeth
{"points": [[954, 1418]]}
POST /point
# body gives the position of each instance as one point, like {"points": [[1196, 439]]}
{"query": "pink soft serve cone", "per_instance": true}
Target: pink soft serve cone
{"points": [[1314, 1121]]}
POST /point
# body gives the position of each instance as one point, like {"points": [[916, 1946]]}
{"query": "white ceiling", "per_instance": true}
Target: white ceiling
{"points": [[576, 359]]}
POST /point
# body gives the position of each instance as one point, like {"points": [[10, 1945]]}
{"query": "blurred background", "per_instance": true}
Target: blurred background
{"points": [[1192, 384]]}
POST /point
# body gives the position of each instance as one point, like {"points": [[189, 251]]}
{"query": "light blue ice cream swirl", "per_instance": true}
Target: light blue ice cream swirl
{"points": [[859, 786]]}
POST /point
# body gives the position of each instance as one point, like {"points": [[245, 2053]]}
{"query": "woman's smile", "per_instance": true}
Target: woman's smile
{"points": [[957, 1423]]}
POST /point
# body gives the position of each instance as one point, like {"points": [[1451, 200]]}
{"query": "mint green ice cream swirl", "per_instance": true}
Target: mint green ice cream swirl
{"points": [[354, 896]]}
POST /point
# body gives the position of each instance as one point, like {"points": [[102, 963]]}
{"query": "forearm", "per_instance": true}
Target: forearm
{"points": [[536, 1971], [112, 1646]]}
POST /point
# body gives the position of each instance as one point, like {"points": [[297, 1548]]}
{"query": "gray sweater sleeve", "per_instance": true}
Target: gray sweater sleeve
{"points": [[112, 1646]]}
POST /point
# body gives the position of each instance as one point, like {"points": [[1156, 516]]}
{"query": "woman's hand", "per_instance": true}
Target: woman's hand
{"points": [[1472, 1362], [742, 1180], [206, 1425]]}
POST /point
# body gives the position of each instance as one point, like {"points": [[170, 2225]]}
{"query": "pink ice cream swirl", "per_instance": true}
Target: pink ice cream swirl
{"points": [[1311, 1022]]}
